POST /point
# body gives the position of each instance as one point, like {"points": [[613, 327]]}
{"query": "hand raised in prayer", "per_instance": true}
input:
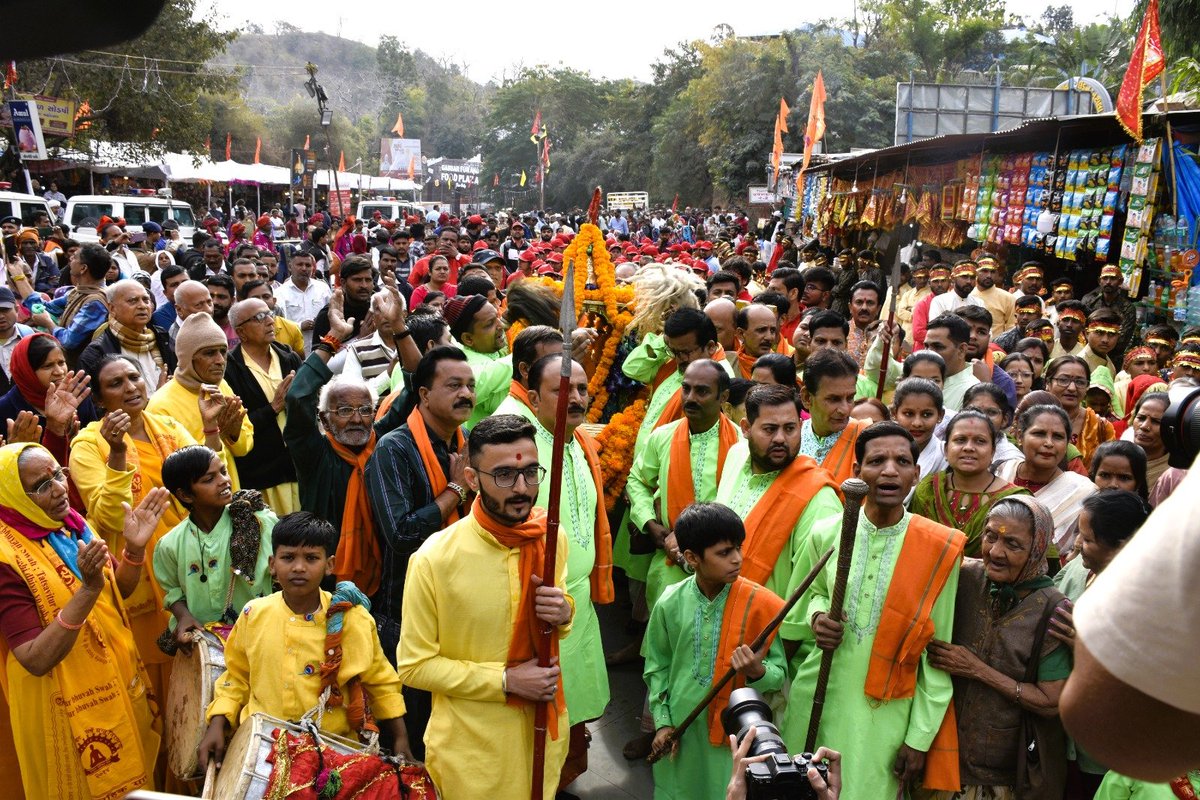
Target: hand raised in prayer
{"points": [[550, 603], [163, 377], [231, 417], [952, 658], [93, 558], [828, 631], [370, 324], [458, 468], [280, 398], [339, 326], [212, 403], [394, 308], [140, 522], [64, 398], [1062, 624], [113, 428], [663, 744], [748, 662], [909, 766], [534, 683], [582, 340], [981, 371], [25, 428]]}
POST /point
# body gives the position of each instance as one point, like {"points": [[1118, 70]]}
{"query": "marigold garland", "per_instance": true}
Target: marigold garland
{"points": [[589, 244], [616, 450], [513, 330]]}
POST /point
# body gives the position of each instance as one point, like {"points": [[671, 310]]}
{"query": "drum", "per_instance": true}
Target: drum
{"points": [[246, 771], [189, 693]]}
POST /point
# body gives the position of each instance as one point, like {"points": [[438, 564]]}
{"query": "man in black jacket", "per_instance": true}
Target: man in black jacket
{"points": [[358, 284], [129, 332]]}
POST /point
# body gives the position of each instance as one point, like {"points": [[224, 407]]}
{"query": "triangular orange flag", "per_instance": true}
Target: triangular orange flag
{"points": [[1145, 64], [398, 128], [306, 141], [228, 145], [257, 149], [342, 161], [411, 165]]}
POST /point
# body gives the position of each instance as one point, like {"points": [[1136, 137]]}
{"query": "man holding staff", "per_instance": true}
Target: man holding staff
{"points": [[886, 704]]}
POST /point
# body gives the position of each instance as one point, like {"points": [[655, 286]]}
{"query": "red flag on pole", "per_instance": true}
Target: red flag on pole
{"points": [[537, 126], [814, 131], [546, 153], [1145, 64], [306, 141], [675, 204], [228, 145], [10, 77], [257, 149], [398, 128]]}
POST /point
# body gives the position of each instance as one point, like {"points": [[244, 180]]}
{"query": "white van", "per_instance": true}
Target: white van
{"points": [[85, 210], [388, 208], [22, 206]]}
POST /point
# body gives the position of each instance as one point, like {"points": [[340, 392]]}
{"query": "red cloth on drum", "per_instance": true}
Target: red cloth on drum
{"points": [[296, 764]]}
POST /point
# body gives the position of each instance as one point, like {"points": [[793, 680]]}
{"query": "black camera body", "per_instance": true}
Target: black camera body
{"points": [[1181, 427], [781, 776]]}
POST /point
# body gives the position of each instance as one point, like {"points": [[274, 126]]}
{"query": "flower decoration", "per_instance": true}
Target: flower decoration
{"points": [[616, 450]]}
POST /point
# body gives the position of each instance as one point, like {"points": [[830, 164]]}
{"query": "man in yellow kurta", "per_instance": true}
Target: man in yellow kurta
{"points": [[202, 349], [473, 603]]}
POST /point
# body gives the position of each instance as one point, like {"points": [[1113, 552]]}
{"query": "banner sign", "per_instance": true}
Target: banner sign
{"points": [[761, 195], [31, 145], [304, 166], [395, 155]]}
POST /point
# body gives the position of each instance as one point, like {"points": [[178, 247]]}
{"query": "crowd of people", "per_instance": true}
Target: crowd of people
{"points": [[273, 444]]}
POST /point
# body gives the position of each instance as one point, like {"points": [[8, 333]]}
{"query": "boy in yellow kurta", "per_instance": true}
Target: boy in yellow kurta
{"points": [[274, 654]]}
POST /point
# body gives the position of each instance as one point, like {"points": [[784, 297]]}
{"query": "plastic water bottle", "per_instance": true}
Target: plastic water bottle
{"points": [[1193, 306]]}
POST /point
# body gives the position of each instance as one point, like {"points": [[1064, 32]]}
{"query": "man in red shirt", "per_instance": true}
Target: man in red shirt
{"points": [[447, 245]]}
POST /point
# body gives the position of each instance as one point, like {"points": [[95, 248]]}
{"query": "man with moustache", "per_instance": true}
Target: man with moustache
{"points": [[780, 493], [939, 284], [999, 302], [866, 301], [962, 285], [415, 480], [830, 386], [758, 328], [447, 245], [723, 313]]}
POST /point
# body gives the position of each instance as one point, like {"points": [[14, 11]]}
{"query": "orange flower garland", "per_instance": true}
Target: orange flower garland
{"points": [[513, 330], [616, 450], [597, 388], [589, 243]]}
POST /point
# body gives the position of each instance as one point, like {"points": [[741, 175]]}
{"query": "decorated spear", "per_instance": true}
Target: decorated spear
{"points": [[567, 322]]}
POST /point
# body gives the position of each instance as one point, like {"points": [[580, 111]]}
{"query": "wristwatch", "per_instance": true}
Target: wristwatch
{"points": [[460, 491]]}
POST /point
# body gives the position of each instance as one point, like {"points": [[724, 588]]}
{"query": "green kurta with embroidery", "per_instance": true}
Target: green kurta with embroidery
{"points": [[741, 490], [647, 488], [1120, 787], [868, 733], [585, 676], [1071, 580], [680, 650], [193, 566]]}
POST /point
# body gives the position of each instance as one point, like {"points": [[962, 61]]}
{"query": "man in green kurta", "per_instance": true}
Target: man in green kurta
{"points": [[475, 327], [897, 597], [706, 442], [780, 493], [585, 678]]}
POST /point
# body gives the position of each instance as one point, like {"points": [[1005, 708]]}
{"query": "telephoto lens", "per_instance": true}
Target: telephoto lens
{"points": [[779, 777], [1181, 427]]}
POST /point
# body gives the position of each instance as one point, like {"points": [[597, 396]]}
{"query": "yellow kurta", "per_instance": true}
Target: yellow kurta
{"points": [[273, 665], [283, 498], [460, 599], [175, 400], [288, 332]]}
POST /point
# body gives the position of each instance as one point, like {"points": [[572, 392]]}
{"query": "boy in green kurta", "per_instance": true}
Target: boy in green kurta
{"points": [[700, 628]]}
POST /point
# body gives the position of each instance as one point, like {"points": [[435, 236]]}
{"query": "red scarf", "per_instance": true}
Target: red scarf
{"points": [[530, 538], [24, 375]]}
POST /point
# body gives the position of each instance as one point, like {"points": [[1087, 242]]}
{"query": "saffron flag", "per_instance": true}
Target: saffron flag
{"points": [[208, 144], [398, 128], [813, 133], [10, 77], [228, 145], [341, 161], [1145, 64], [496, 179], [257, 150], [523, 177], [537, 126], [306, 141], [411, 167], [675, 204], [777, 148], [546, 153]]}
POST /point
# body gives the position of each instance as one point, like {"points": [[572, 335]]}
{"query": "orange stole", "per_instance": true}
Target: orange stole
{"points": [[769, 524], [748, 610], [673, 410], [433, 470], [358, 554], [745, 363], [928, 556], [681, 484], [839, 462]]}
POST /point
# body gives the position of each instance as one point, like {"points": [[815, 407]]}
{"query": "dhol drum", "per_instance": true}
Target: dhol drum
{"points": [[256, 756], [189, 693]]}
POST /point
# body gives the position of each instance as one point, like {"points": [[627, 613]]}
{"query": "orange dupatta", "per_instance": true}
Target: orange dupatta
{"points": [[601, 577], [358, 556], [927, 558], [749, 608], [433, 470], [745, 363], [839, 462], [769, 524], [673, 410], [530, 538], [681, 486]]}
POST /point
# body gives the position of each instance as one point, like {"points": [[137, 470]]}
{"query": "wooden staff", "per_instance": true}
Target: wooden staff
{"points": [[758, 642], [886, 360], [854, 490], [567, 323]]}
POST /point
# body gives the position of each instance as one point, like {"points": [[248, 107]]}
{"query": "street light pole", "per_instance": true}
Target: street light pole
{"points": [[315, 90]]}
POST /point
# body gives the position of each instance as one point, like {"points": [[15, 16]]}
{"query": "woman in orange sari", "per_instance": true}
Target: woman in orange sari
{"points": [[76, 691]]}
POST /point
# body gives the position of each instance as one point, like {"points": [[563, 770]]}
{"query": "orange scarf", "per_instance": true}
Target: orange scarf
{"points": [[601, 577], [839, 462], [673, 410], [433, 470], [358, 555], [769, 524], [927, 558], [681, 484], [749, 608], [530, 538], [745, 363]]}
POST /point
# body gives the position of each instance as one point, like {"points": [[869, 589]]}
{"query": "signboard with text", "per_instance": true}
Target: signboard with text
{"points": [[396, 155], [304, 166], [761, 195], [56, 114], [27, 127], [339, 203]]}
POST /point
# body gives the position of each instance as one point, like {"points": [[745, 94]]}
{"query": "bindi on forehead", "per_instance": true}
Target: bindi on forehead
{"points": [[518, 458]]}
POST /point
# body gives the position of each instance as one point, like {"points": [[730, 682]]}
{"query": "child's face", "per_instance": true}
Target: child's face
{"points": [[719, 563], [214, 489], [918, 415], [300, 570], [1099, 402]]}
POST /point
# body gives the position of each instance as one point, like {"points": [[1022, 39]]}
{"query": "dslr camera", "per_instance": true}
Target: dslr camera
{"points": [[780, 777], [1181, 427]]}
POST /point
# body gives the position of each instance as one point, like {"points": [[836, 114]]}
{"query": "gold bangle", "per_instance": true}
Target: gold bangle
{"points": [[18, 276], [130, 561]]}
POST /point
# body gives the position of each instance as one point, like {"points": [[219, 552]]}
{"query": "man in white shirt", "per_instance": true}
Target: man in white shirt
{"points": [[962, 279], [301, 297], [949, 336], [114, 240]]}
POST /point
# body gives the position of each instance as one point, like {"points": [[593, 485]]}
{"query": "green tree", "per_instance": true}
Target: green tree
{"points": [[944, 36]]}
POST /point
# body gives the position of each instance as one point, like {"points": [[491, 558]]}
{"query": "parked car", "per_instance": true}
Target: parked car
{"points": [[22, 206], [85, 210]]}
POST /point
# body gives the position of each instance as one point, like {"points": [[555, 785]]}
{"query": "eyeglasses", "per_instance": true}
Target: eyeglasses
{"points": [[261, 316], [43, 487], [1026, 376], [346, 412], [682, 355], [506, 477], [1063, 382]]}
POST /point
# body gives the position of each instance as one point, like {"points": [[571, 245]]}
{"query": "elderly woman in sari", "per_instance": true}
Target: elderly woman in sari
{"points": [[119, 459], [1004, 664], [72, 673], [1044, 432]]}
